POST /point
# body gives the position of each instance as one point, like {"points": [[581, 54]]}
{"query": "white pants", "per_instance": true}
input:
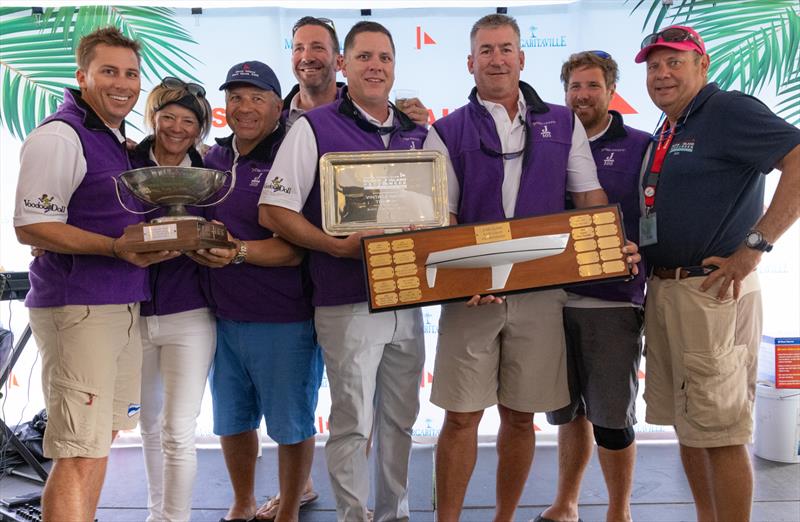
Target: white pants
{"points": [[177, 350], [374, 364]]}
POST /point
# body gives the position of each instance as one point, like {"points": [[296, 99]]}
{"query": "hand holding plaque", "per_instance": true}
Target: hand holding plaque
{"points": [[174, 188], [382, 190]]}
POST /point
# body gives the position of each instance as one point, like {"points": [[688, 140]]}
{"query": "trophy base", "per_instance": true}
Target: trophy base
{"points": [[181, 235]]}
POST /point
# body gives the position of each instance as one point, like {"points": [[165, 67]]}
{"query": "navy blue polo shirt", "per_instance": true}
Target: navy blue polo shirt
{"points": [[711, 189]]}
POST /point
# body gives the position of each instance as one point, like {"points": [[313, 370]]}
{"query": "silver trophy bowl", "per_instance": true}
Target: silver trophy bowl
{"points": [[174, 188]]}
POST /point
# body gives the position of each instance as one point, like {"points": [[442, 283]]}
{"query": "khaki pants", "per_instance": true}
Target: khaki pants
{"points": [[91, 371], [701, 360]]}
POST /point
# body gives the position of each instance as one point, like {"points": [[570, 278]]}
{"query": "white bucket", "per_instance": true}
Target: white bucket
{"points": [[777, 433]]}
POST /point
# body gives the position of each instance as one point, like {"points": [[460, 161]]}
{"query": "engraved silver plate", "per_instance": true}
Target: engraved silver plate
{"points": [[160, 232], [382, 190]]}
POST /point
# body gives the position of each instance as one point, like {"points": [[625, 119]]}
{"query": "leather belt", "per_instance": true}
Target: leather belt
{"points": [[662, 272]]}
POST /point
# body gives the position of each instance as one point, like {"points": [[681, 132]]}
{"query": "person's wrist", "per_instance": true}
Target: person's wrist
{"points": [[241, 254], [114, 253]]}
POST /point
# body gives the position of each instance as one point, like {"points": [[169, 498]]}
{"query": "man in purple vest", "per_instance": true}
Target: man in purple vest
{"points": [[85, 289], [602, 323], [374, 361], [509, 155], [267, 363], [315, 61]]}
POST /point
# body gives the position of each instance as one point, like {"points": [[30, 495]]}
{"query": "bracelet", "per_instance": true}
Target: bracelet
{"points": [[113, 248]]}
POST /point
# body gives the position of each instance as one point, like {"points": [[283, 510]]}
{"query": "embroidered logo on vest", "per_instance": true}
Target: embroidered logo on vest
{"points": [[609, 160], [546, 132], [256, 181]]}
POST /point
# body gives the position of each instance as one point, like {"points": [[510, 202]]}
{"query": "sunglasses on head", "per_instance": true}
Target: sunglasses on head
{"points": [[313, 20], [195, 89], [600, 54], [673, 34]]}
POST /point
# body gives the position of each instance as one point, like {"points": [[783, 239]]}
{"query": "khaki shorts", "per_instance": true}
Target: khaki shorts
{"points": [[91, 375], [701, 360], [511, 354]]}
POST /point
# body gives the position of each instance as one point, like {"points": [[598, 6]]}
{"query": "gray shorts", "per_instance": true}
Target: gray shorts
{"points": [[604, 347]]}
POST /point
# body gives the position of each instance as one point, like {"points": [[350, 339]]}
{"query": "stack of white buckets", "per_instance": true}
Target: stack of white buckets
{"points": [[777, 430]]}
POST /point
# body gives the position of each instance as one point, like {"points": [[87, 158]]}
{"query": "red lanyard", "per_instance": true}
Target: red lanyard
{"points": [[664, 142]]}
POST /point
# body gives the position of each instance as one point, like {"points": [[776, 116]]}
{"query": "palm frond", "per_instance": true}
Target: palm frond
{"points": [[35, 66], [751, 43], [37, 55]]}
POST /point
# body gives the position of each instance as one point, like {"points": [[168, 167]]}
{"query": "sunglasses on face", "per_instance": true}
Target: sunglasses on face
{"points": [[313, 20], [674, 34], [194, 89]]}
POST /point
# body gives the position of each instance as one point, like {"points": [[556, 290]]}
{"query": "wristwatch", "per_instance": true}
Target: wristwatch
{"points": [[756, 241], [241, 254]]}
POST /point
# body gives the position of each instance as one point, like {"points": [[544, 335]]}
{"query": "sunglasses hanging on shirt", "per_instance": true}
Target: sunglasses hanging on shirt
{"points": [[489, 151]]}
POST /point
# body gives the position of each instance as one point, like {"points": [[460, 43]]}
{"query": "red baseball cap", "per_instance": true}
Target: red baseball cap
{"points": [[678, 37]]}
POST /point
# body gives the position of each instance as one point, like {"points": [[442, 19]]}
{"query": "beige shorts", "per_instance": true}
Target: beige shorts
{"points": [[701, 358], [511, 354], [91, 375]]}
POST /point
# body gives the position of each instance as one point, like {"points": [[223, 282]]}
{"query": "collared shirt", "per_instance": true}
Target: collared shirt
{"points": [[294, 111], [581, 172], [185, 162], [602, 132], [296, 163]]}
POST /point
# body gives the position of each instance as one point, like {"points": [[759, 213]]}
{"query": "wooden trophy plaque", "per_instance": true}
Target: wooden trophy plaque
{"points": [[184, 235], [452, 263]]}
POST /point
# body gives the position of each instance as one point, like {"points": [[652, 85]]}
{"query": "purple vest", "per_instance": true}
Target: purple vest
{"points": [[338, 129], [618, 155], [287, 102], [64, 279], [174, 284], [472, 142], [248, 292]]}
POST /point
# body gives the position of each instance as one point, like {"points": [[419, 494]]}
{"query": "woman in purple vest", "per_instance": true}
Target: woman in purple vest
{"points": [[178, 330]]}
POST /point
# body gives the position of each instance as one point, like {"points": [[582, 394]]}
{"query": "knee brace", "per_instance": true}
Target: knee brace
{"points": [[613, 439]]}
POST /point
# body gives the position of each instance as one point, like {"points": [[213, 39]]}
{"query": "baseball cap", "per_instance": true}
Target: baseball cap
{"points": [[253, 73], [678, 37]]}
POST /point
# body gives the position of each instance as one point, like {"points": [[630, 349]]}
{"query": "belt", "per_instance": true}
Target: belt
{"points": [[683, 272]]}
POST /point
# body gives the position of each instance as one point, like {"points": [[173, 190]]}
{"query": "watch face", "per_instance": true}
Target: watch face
{"points": [[753, 238]]}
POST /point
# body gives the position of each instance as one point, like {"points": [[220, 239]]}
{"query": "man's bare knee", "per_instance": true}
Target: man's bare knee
{"points": [[515, 419], [462, 420]]}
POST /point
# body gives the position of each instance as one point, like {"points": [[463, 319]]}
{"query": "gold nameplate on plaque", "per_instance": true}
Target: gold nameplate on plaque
{"points": [[585, 245], [379, 248], [385, 286], [602, 218], [587, 258], [382, 273], [457, 262], [382, 190], [582, 220], [492, 233], [405, 270], [605, 230], [402, 244]]}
